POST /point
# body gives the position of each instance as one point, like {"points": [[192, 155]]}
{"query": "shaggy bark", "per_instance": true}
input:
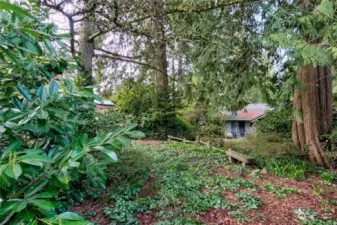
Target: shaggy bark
{"points": [[315, 103]]}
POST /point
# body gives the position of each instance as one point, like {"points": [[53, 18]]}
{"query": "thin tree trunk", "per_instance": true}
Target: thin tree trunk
{"points": [[160, 57], [87, 46]]}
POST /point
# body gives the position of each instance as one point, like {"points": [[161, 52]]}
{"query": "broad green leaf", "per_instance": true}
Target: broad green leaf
{"points": [[123, 140], [20, 205], [135, 134], [42, 204], [53, 88], [73, 163], [12, 206], [36, 160], [113, 134], [89, 94], [42, 93], [68, 84], [41, 158], [24, 92], [18, 104], [49, 46], [13, 146], [2, 129], [43, 195], [63, 36], [57, 112], [64, 177], [14, 8], [36, 188], [130, 126], [42, 114], [110, 155], [13, 170], [70, 216], [96, 141], [11, 125], [77, 153], [35, 33], [83, 139]]}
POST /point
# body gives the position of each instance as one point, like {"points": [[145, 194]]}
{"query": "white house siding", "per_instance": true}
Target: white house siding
{"points": [[247, 127], [228, 126], [234, 126]]}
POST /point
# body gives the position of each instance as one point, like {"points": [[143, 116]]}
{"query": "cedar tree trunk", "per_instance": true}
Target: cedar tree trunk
{"points": [[314, 101]]}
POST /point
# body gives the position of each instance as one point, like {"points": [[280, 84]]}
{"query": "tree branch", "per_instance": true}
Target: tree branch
{"points": [[127, 60], [165, 12], [116, 55]]}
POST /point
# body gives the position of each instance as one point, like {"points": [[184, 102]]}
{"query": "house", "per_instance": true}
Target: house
{"points": [[240, 123], [105, 105]]}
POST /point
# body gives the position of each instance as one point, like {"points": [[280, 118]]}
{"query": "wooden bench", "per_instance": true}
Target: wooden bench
{"points": [[244, 159]]}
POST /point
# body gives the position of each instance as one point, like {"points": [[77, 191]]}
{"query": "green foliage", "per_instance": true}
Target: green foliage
{"points": [[316, 22], [212, 133], [279, 192], [101, 123], [180, 183], [328, 177], [250, 201], [264, 145], [276, 122], [132, 168], [310, 217], [290, 167], [42, 151], [233, 184], [136, 99], [138, 102], [285, 167]]}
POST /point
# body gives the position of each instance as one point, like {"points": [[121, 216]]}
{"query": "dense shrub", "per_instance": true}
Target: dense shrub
{"points": [[103, 122], [276, 122], [211, 133], [137, 101], [264, 145], [43, 151]]}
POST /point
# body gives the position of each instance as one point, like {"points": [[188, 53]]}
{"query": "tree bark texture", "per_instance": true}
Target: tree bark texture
{"points": [[314, 101], [160, 57], [87, 46]]}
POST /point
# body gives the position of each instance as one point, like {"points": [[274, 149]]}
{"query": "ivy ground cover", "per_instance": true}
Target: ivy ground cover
{"points": [[176, 183]]}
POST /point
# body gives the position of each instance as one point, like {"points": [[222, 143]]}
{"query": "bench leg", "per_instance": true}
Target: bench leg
{"points": [[244, 165], [230, 159]]}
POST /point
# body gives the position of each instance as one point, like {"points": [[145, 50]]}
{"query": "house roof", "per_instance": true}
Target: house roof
{"points": [[245, 116], [249, 113]]}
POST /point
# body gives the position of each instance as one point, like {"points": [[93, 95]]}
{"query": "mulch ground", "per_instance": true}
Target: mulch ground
{"points": [[93, 210]]}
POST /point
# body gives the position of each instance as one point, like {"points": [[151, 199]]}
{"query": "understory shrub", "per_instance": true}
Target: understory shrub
{"points": [[138, 102], [264, 145], [212, 134], [132, 167], [278, 121], [101, 123]]}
